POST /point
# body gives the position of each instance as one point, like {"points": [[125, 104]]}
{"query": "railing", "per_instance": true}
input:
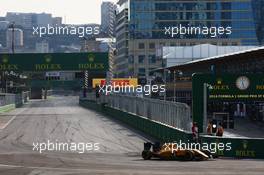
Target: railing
{"points": [[90, 96], [60, 92], [17, 99], [7, 99], [177, 115], [25, 96]]}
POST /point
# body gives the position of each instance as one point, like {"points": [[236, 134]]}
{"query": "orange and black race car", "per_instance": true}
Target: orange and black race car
{"points": [[169, 151]]}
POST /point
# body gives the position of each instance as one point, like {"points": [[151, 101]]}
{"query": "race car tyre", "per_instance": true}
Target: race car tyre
{"points": [[188, 156], [146, 155], [198, 158]]}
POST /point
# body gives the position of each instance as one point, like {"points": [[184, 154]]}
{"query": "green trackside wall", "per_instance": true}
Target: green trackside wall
{"points": [[7, 108], [197, 98], [241, 148], [224, 89], [157, 130], [10, 107]]}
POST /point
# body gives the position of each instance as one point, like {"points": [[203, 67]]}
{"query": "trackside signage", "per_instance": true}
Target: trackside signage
{"points": [[225, 87], [241, 147], [116, 82], [94, 62], [236, 87]]}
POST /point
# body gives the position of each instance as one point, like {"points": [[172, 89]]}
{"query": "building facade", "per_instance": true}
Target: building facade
{"points": [[108, 17], [43, 19], [28, 20], [178, 55], [4, 25], [18, 38], [259, 18], [121, 66], [90, 45], [147, 21], [42, 47], [57, 21], [23, 20]]}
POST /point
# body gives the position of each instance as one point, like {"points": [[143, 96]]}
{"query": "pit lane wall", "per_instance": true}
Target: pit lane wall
{"points": [[241, 147]]}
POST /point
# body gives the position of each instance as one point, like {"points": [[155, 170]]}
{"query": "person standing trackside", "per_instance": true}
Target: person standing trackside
{"points": [[209, 128], [195, 132], [97, 94], [220, 130]]}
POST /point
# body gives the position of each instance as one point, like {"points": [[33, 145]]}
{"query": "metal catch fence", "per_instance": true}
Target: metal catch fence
{"points": [[174, 114]]}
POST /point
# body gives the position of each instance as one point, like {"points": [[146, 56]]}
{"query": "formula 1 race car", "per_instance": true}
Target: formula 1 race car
{"points": [[169, 151]]}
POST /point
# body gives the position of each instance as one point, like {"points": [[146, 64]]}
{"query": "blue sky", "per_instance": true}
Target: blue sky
{"points": [[75, 11]]}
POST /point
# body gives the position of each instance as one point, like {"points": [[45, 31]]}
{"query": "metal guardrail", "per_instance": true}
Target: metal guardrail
{"points": [[60, 92], [90, 96], [25, 96], [7, 99], [174, 114], [17, 99]]}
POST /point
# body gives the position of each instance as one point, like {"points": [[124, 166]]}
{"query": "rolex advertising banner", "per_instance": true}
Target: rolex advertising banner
{"points": [[236, 87], [240, 147], [224, 87], [93, 62]]}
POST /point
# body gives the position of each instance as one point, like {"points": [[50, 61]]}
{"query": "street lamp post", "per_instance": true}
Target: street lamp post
{"points": [[6, 90], [110, 42], [179, 73], [206, 86], [164, 76], [13, 38], [165, 81], [174, 86]]}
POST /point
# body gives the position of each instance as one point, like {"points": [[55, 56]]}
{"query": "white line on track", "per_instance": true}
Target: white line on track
{"points": [[3, 127]]}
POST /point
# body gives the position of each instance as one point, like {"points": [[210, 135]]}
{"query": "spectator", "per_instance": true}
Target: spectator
{"points": [[195, 132], [209, 128], [220, 130]]}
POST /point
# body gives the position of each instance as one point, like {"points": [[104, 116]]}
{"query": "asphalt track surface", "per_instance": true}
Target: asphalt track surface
{"points": [[60, 119]]}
